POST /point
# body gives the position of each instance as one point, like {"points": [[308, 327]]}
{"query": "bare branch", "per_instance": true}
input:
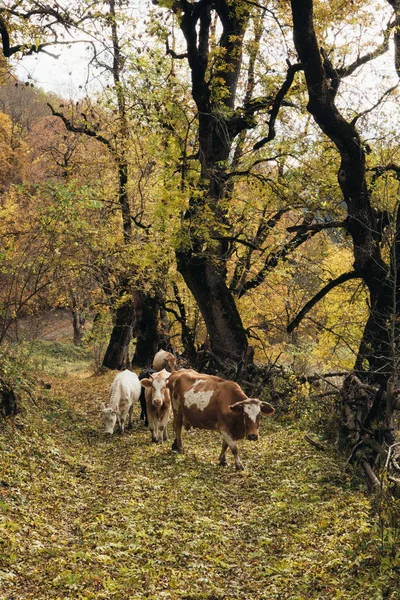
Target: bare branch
{"points": [[311, 303], [172, 52], [255, 163], [244, 263], [85, 129], [292, 70], [362, 60], [377, 103], [314, 443], [274, 258], [237, 239], [381, 169], [316, 226]]}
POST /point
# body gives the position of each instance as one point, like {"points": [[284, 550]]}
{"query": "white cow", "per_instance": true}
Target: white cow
{"points": [[124, 391]]}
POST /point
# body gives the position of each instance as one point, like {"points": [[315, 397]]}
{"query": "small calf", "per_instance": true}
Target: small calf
{"points": [[158, 403], [124, 391], [164, 360]]}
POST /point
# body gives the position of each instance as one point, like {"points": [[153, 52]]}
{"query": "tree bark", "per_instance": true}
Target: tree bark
{"points": [[146, 328], [224, 326], [78, 320], [117, 353], [374, 355], [203, 263], [367, 410]]}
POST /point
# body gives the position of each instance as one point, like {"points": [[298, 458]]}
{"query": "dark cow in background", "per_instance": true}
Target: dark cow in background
{"points": [[143, 410], [158, 404], [164, 360], [209, 402]]}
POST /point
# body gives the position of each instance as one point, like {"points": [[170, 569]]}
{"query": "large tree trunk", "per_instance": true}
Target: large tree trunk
{"points": [[146, 329], [202, 262], [117, 353], [366, 413], [224, 326], [361, 223]]}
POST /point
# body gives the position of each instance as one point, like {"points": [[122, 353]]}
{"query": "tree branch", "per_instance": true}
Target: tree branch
{"points": [[255, 163], [317, 226], [377, 103], [381, 169], [172, 52], [273, 259], [84, 129], [327, 288], [362, 60], [243, 265], [292, 70]]}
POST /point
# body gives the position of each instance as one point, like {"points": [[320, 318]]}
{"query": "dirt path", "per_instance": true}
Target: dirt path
{"points": [[88, 517]]}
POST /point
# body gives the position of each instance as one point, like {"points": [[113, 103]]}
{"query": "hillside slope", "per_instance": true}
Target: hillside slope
{"points": [[83, 516]]}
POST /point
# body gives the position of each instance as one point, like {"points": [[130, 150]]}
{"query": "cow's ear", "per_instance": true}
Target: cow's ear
{"points": [[237, 407], [147, 383], [267, 408], [103, 406]]}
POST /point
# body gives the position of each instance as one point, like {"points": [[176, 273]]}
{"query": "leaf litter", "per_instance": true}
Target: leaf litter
{"points": [[85, 516]]}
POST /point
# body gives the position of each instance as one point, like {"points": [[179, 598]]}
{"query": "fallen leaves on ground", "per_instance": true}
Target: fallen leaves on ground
{"points": [[85, 516]]}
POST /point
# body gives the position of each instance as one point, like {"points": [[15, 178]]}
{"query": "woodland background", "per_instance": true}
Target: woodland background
{"points": [[224, 186]]}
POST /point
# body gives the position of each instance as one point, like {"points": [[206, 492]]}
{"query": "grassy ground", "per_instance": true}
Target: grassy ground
{"points": [[60, 357], [83, 516]]}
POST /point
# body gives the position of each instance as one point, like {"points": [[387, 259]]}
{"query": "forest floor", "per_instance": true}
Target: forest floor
{"points": [[85, 516]]}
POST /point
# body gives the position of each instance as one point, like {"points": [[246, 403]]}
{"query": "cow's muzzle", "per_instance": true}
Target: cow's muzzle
{"points": [[253, 437]]}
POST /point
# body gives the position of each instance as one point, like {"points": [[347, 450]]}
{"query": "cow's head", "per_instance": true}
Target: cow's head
{"points": [[157, 383], [109, 416], [251, 408], [170, 363]]}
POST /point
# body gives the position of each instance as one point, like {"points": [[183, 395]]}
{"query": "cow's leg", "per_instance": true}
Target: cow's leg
{"points": [[164, 433], [156, 433], [143, 406], [130, 416], [119, 422], [177, 445], [152, 427], [222, 457], [124, 420], [234, 449]]}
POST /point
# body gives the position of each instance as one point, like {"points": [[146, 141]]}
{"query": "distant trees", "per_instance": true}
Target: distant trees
{"points": [[216, 161]]}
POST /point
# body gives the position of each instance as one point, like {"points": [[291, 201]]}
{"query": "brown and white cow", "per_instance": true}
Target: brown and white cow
{"points": [[164, 360], [158, 404], [209, 402]]}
